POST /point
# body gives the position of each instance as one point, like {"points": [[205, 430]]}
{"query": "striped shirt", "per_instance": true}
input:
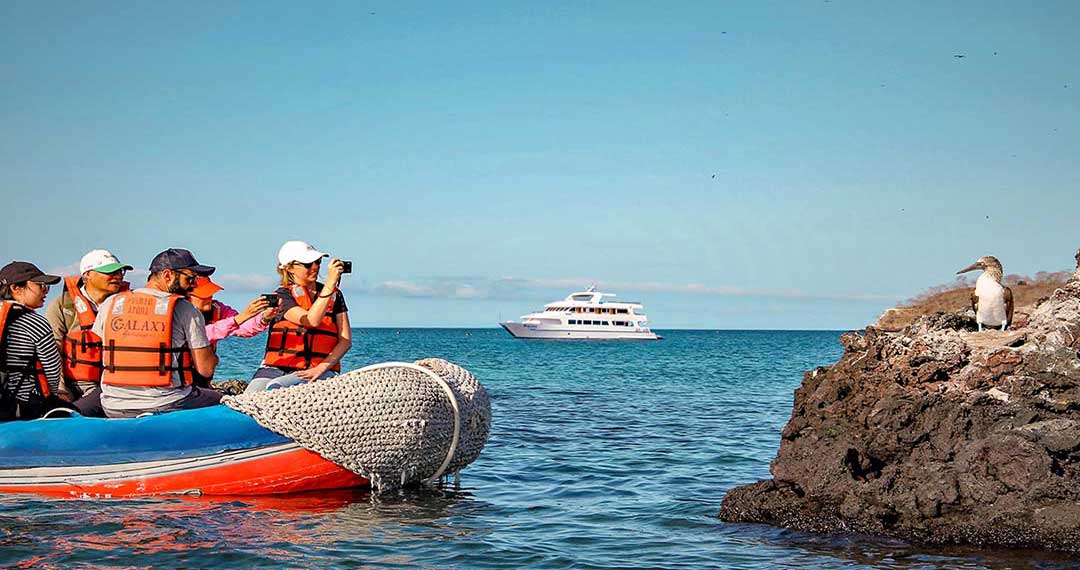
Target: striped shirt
{"points": [[27, 340]]}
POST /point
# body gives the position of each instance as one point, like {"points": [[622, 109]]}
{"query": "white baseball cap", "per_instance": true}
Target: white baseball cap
{"points": [[102, 261], [296, 250]]}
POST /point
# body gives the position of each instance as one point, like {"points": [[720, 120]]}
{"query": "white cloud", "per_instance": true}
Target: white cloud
{"points": [[688, 289], [135, 276], [513, 287], [474, 287], [64, 270], [428, 288], [246, 282]]}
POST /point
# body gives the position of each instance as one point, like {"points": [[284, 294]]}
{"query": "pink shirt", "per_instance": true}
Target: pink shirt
{"points": [[226, 325]]}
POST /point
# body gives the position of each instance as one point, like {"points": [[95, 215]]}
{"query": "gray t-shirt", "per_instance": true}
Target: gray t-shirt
{"points": [[188, 328]]}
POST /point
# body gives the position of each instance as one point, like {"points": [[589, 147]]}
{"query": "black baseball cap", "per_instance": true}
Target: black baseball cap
{"points": [[176, 258], [20, 271]]}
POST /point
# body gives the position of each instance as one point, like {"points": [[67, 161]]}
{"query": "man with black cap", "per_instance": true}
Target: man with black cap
{"points": [[153, 340], [30, 369]]}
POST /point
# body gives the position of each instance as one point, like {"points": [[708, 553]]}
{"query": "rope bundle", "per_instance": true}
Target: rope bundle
{"points": [[393, 424]]}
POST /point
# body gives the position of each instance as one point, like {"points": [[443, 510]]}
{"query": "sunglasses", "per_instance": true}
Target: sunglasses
{"points": [[189, 276], [309, 264]]}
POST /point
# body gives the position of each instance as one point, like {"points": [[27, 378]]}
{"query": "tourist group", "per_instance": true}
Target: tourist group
{"points": [[108, 350]]}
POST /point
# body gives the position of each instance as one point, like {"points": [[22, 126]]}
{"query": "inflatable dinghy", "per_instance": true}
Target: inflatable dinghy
{"points": [[382, 426]]}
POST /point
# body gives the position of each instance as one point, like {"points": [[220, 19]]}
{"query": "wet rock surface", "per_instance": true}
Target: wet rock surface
{"points": [[937, 434]]}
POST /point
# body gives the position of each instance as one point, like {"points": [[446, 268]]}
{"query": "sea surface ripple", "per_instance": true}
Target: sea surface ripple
{"points": [[602, 455]]}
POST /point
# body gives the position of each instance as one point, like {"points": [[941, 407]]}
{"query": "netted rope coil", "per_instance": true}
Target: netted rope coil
{"points": [[393, 423]]}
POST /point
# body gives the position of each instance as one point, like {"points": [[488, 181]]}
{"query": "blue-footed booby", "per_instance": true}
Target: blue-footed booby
{"points": [[992, 301]]}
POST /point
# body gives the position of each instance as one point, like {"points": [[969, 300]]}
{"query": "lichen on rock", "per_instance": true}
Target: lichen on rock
{"points": [[937, 434]]}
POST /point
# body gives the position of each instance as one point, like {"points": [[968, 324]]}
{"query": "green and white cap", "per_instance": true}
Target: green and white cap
{"points": [[102, 261]]}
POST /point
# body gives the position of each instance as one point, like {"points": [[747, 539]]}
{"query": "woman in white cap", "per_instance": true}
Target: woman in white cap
{"points": [[312, 335], [30, 358]]}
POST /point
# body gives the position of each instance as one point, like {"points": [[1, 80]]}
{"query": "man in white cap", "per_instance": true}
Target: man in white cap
{"points": [[72, 314]]}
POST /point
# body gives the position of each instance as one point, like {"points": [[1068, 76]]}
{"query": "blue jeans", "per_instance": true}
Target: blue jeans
{"points": [[269, 378]]}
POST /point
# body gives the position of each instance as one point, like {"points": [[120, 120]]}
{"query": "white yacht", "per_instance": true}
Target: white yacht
{"points": [[585, 315]]}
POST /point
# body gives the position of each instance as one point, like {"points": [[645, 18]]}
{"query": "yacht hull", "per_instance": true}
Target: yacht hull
{"points": [[519, 330]]}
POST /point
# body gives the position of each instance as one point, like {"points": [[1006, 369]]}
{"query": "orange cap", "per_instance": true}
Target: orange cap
{"points": [[205, 288]]}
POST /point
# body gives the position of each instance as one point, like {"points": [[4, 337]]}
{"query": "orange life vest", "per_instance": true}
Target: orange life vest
{"points": [[211, 316], [8, 311], [137, 345], [81, 348], [290, 346]]}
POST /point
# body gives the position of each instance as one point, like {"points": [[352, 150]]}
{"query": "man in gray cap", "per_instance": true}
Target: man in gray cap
{"points": [[153, 339]]}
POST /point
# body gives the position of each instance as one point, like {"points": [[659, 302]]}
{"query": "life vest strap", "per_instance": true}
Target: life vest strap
{"points": [[318, 332], [82, 344], [148, 369], [161, 351], [303, 352], [74, 360], [111, 348]]}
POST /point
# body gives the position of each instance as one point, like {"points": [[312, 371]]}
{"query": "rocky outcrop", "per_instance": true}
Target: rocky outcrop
{"points": [[937, 434]]}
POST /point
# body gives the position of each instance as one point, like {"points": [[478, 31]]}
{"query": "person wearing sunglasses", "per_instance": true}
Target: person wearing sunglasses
{"points": [[71, 316], [30, 369], [309, 339], [224, 321], [154, 341]]}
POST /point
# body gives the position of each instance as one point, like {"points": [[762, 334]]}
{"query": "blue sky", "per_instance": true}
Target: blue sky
{"points": [[731, 164]]}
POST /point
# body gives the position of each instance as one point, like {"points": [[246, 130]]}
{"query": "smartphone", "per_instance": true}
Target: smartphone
{"points": [[272, 299], [346, 267]]}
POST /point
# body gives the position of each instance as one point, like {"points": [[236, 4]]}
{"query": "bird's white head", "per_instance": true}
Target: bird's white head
{"points": [[987, 263]]}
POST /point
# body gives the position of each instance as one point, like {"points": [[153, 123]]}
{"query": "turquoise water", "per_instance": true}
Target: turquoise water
{"points": [[602, 455]]}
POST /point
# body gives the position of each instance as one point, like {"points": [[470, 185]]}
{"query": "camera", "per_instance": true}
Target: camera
{"points": [[346, 267], [272, 299]]}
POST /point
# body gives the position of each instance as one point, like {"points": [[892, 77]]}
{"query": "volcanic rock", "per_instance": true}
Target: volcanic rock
{"points": [[938, 435]]}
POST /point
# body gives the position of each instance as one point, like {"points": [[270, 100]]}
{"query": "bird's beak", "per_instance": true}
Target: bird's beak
{"points": [[971, 267]]}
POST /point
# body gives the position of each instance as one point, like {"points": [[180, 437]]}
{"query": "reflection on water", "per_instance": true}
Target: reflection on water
{"points": [[278, 529], [602, 455]]}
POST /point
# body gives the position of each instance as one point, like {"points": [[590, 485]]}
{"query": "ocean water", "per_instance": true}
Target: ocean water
{"points": [[602, 455]]}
